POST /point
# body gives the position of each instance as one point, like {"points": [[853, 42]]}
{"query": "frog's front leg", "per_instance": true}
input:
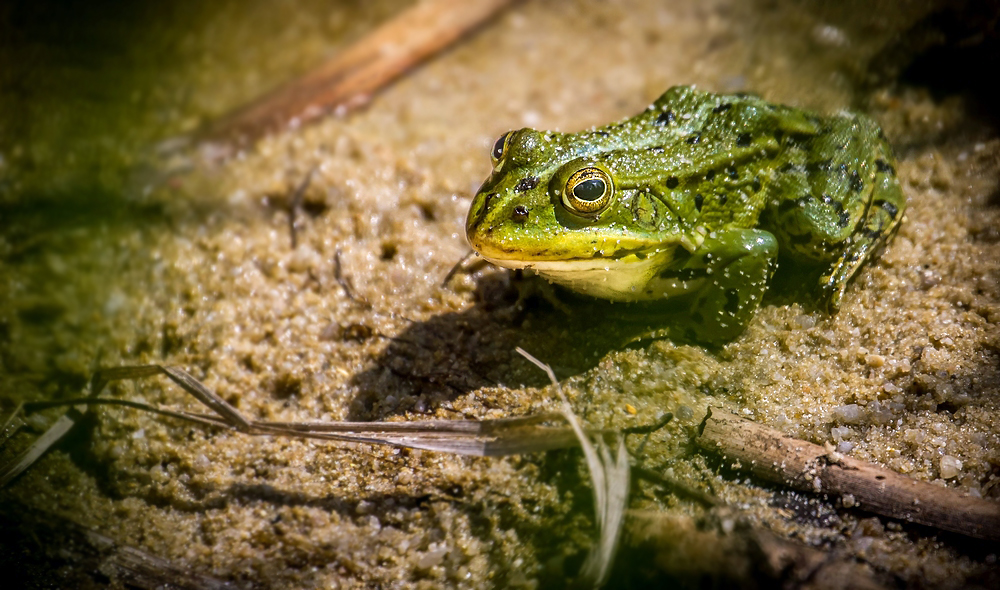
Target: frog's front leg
{"points": [[733, 266]]}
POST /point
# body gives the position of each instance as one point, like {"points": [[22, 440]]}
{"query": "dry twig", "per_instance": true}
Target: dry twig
{"points": [[348, 80], [58, 552], [295, 203], [801, 465], [345, 282], [723, 551]]}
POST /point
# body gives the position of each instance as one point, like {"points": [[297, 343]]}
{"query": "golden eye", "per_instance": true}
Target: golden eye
{"points": [[499, 147], [588, 191]]}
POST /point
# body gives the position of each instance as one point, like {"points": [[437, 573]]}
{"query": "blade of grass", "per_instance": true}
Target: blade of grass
{"points": [[12, 424], [610, 478], [507, 436]]}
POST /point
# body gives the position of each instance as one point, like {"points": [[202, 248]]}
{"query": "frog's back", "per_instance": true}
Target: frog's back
{"points": [[825, 186], [710, 157]]}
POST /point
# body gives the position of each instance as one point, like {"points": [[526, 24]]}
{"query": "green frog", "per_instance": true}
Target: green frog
{"points": [[691, 201]]}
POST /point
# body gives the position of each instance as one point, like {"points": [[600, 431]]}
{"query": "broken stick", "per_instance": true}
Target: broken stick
{"points": [[701, 553], [349, 79], [779, 458], [54, 551]]}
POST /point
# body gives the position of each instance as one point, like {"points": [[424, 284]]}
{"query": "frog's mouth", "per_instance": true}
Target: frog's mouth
{"points": [[626, 275], [526, 253]]}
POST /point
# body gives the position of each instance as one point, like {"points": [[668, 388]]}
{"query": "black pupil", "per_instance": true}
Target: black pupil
{"points": [[589, 190], [498, 146]]}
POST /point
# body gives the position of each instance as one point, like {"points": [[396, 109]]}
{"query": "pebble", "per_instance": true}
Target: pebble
{"points": [[849, 413], [950, 466]]}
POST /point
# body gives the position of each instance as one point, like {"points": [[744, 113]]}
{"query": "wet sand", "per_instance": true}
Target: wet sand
{"points": [[905, 375]]}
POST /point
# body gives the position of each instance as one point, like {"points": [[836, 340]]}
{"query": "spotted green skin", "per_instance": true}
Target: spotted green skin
{"points": [[709, 188]]}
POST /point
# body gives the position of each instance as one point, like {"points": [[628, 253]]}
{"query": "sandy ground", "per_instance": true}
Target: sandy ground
{"points": [[905, 375]]}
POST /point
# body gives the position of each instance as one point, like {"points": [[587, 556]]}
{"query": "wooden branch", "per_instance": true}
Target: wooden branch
{"points": [[348, 80], [53, 551], [704, 553], [805, 466]]}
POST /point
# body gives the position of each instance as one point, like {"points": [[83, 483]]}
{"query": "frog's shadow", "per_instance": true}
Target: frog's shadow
{"points": [[436, 361], [449, 355]]}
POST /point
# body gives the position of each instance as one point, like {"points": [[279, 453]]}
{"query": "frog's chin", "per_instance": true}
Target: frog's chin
{"points": [[629, 278]]}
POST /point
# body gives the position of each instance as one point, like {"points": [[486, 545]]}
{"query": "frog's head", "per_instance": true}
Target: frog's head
{"points": [[550, 197], [553, 204]]}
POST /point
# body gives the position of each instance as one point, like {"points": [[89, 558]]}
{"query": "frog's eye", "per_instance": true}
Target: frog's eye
{"points": [[499, 147], [588, 191]]}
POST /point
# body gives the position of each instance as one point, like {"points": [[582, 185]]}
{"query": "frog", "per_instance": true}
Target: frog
{"points": [[692, 201]]}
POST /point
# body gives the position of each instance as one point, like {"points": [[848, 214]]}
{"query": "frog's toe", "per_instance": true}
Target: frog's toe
{"points": [[831, 292], [834, 299]]}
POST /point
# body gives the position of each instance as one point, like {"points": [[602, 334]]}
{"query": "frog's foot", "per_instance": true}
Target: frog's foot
{"points": [[881, 222], [530, 286], [546, 291], [737, 265]]}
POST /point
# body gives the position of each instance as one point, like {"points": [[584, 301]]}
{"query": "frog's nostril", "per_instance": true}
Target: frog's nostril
{"points": [[526, 184], [519, 214]]}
